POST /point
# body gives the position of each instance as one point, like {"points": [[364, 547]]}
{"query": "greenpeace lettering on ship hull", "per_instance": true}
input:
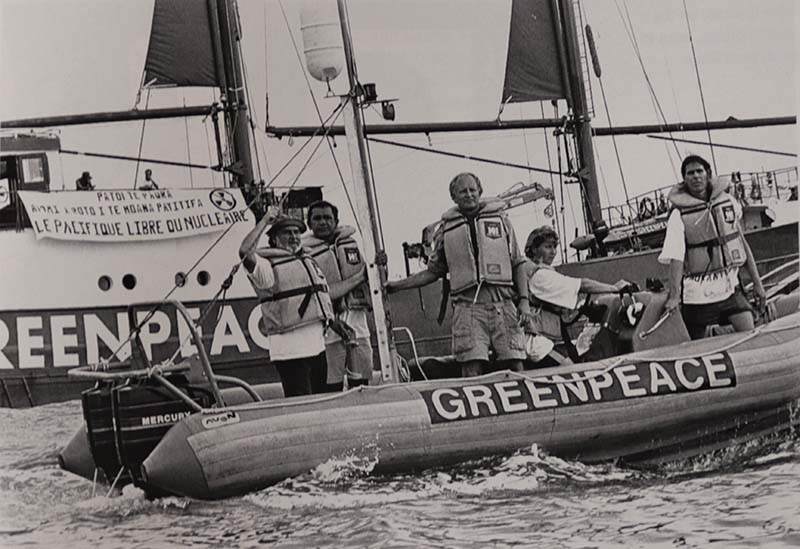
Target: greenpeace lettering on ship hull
{"points": [[63, 339], [637, 380]]}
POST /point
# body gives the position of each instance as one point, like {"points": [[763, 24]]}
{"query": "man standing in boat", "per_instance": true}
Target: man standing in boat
{"points": [[705, 247], [476, 244], [295, 301], [336, 251]]}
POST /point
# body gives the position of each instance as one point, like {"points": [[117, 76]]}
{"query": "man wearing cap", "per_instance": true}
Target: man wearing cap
{"points": [[84, 182], [477, 246], [295, 301], [704, 247], [336, 251], [552, 294]]}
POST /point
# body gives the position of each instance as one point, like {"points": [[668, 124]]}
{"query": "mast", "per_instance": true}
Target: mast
{"points": [[587, 171], [366, 204], [234, 96]]}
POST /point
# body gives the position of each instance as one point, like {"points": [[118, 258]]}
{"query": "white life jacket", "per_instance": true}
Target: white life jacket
{"points": [[546, 316], [300, 294], [493, 263], [713, 240], [340, 260]]}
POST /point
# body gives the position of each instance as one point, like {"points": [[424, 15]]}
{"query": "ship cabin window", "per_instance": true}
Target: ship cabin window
{"points": [[25, 172]]}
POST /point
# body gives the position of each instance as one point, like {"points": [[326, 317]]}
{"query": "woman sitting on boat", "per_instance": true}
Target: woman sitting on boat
{"points": [[552, 295], [295, 301]]}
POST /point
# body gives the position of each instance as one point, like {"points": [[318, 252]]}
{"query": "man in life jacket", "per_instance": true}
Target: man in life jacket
{"points": [[477, 246], [295, 302], [337, 253], [705, 247], [552, 295]]}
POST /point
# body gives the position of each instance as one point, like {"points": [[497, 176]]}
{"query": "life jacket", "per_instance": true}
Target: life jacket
{"points": [[713, 239], [300, 294], [340, 260], [546, 316], [493, 263]]}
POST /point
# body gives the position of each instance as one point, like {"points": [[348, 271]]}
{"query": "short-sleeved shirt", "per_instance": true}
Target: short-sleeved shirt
{"points": [[303, 341], [555, 288], [488, 293], [698, 289]]}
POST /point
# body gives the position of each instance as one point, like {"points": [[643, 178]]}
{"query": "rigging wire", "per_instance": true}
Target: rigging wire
{"points": [[614, 142], [525, 144], [462, 156], [736, 147], [208, 142], [251, 116], [561, 189], [699, 85], [319, 114], [631, 33], [188, 147], [141, 141], [352, 68], [675, 170]]}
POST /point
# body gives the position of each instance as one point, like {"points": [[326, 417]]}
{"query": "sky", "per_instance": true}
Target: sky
{"points": [[444, 61]]}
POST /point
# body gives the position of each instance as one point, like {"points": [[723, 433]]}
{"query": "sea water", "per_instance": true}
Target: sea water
{"points": [[745, 496]]}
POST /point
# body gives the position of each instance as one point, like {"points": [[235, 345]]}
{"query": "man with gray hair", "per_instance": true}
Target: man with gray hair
{"points": [[477, 246]]}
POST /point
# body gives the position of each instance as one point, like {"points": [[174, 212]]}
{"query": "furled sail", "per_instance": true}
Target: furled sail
{"points": [[181, 50], [533, 69]]}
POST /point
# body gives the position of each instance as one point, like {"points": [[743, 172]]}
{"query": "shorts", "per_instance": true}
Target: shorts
{"points": [[361, 360], [478, 327], [698, 317]]}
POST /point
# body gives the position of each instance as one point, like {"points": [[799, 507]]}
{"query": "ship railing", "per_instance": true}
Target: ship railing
{"points": [[753, 187]]}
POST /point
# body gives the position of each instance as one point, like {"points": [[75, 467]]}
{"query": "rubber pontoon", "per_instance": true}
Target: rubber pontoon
{"points": [[649, 406]]}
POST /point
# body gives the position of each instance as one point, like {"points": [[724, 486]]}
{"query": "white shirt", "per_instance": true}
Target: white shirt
{"points": [[698, 289], [555, 288], [301, 342]]}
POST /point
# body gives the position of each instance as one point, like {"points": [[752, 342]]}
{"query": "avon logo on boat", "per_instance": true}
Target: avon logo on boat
{"points": [[163, 419], [627, 381], [220, 420]]}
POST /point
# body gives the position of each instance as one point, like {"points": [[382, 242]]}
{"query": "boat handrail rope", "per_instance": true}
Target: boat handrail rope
{"points": [[413, 348], [594, 373], [90, 373], [240, 383], [627, 359]]}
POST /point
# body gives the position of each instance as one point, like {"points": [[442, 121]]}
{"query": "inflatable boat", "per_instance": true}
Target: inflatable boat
{"points": [[663, 398]]}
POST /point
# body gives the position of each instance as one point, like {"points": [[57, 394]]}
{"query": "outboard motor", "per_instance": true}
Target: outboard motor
{"points": [[144, 411], [99, 419], [631, 322], [124, 422]]}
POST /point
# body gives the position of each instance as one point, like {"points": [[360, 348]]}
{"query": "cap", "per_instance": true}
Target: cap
{"points": [[539, 235], [283, 221]]}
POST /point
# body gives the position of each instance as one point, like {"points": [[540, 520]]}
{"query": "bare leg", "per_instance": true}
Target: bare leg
{"points": [[742, 322], [471, 368], [513, 365]]}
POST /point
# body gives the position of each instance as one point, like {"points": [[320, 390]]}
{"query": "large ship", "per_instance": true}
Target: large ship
{"points": [[71, 298]]}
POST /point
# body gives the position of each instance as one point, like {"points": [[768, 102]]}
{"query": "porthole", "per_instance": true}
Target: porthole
{"points": [[104, 283], [129, 281], [203, 278], [180, 280]]}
